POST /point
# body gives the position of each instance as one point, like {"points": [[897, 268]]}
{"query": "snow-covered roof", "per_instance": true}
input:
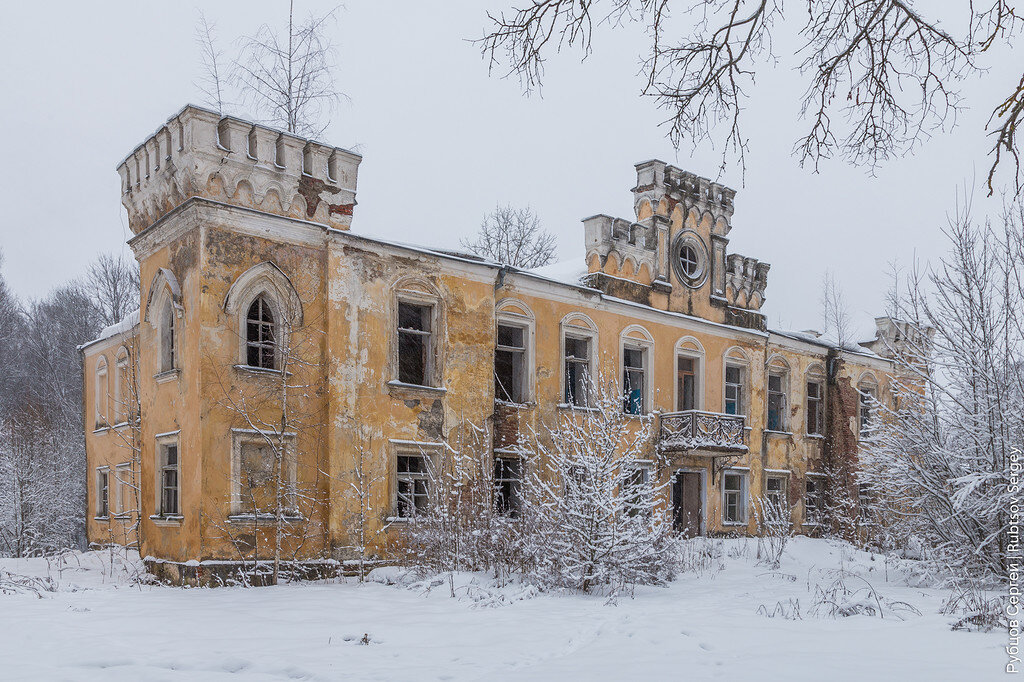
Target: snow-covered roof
{"points": [[127, 323], [569, 271], [824, 341]]}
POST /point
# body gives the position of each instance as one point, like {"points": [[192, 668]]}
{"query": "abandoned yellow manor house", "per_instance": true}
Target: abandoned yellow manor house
{"points": [[259, 302]]}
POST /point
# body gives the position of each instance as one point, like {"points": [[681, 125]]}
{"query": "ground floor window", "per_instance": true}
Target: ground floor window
{"points": [[814, 500], [169, 470], [125, 502], [776, 494], [508, 485], [413, 482], [734, 497], [636, 491], [103, 493]]}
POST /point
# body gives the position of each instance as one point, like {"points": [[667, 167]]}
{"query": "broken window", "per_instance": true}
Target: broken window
{"points": [[733, 389], [815, 408], [867, 398], [102, 493], [813, 500], [258, 470], [169, 480], [865, 502], [776, 401], [634, 380], [734, 498], [686, 379], [414, 343], [577, 371], [510, 364], [413, 485], [508, 484], [260, 335], [125, 500]]}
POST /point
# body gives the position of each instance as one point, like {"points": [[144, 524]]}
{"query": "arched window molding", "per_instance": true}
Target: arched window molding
{"points": [[868, 390], [814, 399], [515, 367], [417, 324], [165, 312], [578, 339], [736, 382], [265, 286], [636, 370], [122, 392], [688, 362]]}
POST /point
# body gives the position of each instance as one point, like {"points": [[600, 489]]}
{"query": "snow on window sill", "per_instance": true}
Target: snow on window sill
{"points": [[250, 519], [577, 408], [120, 425], [101, 429], [398, 519], [166, 519], [167, 375], [773, 432], [518, 406], [816, 436], [101, 518], [400, 388], [252, 369], [734, 523]]}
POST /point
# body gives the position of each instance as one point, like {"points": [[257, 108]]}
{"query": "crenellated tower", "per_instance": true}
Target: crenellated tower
{"points": [[199, 153]]}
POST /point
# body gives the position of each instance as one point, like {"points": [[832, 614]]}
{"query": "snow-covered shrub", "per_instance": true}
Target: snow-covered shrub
{"points": [[851, 595], [788, 610], [590, 513], [700, 555], [977, 610], [774, 528]]}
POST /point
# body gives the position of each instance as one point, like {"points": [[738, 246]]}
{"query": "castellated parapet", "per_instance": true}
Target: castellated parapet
{"points": [[199, 153]]}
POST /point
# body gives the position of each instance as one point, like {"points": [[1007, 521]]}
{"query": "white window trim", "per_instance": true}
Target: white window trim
{"points": [[123, 479], [101, 393], [646, 346], [529, 327], [162, 440], [242, 436], [700, 372], [817, 477], [577, 332], [783, 370], [434, 369], [96, 510], [744, 474]]}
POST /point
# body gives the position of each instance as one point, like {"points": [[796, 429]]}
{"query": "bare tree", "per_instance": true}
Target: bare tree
{"points": [[513, 236], [289, 78], [881, 75], [835, 314], [112, 282], [212, 80]]}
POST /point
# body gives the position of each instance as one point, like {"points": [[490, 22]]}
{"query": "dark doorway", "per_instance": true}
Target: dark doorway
{"points": [[687, 503]]}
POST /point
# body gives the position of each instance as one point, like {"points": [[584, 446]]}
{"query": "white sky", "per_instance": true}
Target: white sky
{"points": [[442, 142]]}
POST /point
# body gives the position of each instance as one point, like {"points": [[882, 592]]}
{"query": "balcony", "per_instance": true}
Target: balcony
{"points": [[713, 434]]}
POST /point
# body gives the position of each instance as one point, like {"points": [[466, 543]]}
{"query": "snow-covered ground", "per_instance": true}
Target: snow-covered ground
{"points": [[99, 625]]}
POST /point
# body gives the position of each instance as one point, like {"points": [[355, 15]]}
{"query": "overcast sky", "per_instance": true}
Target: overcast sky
{"points": [[442, 142]]}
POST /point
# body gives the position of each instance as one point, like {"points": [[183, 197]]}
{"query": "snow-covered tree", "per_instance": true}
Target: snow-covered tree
{"points": [[939, 460]]}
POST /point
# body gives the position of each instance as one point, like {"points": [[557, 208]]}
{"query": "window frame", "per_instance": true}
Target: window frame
{"points": [[520, 375], [433, 361], [102, 510], [163, 443], [744, 492], [689, 347], [122, 408], [867, 394], [816, 518], [637, 339], [169, 336], [514, 498], [101, 394], [778, 475], [123, 477], [276, 344], [780, 369], [514, 313], [814, 405], [646, 470], [427, 454], [736, 358], [568, 330]]}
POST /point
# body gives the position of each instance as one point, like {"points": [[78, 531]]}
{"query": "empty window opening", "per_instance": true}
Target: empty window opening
{"points": [[413, 485], [168, 340], [577, 371], [510, 364], [102, 493], [508, 485], [414, 343], [260, 335], [813, 500], [776, 492], [686, 383]]}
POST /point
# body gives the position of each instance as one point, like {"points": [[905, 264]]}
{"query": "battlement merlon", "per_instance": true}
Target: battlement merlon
{"points": [[199, 152], [656, 180]]}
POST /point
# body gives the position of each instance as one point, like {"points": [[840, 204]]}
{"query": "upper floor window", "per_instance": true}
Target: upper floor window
{"points": [[510, 362], [123, 390], [634, 380], [735, 382], [100, 394], [577, 370], [415, 343], [815, 404], [168, 337], [778, 378], [260, 335], [868, 395], [689, 370]]}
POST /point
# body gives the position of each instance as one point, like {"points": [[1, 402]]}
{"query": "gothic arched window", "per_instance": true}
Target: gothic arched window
{"points": [[260, 336]]}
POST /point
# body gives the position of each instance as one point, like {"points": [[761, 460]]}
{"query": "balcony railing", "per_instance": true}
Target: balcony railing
{"points": [[705, 431]]}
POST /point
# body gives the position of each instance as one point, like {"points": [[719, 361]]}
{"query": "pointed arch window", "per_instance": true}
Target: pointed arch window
{"points": [[168, 337], [260, 334]]}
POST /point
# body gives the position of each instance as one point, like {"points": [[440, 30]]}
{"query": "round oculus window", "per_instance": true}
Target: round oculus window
{"points": [[689, 261]]}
